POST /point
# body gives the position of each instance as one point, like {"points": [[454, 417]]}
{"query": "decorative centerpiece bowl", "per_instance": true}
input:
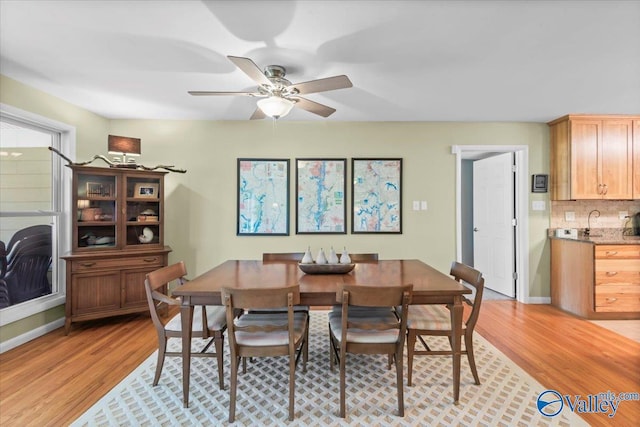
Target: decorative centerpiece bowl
{"points": [[313, 268]]}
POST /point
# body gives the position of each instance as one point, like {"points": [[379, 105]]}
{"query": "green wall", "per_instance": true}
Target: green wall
{"points": [[200, 205]]}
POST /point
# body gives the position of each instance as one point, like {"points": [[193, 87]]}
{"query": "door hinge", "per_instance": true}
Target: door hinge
{"points": [[514, 221], [515, 275], [514, 168]]}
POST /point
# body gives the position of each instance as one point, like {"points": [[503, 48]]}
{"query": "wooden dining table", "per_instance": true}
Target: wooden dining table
{"points": [[430, 286]]}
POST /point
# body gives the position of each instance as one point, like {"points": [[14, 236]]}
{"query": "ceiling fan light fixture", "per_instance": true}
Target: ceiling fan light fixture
{"points": [[275, 106]]}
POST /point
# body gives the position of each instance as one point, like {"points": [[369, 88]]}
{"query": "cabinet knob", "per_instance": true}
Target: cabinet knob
{"points": [[611, 273], [605, 189], [88, 264], [612, 299], [150, 259], [611, 253]]}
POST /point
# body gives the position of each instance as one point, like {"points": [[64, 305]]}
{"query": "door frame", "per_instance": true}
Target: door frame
{"points": [[521, 188]]}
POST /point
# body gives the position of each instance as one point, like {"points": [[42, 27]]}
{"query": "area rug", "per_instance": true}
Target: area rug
{"points": [[506, 397]]}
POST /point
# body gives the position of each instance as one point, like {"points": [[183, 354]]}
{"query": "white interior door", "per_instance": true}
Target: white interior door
{"points": [[493, 215]]}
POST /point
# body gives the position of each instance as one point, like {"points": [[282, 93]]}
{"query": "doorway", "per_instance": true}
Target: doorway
{"points": [[518, 263]]}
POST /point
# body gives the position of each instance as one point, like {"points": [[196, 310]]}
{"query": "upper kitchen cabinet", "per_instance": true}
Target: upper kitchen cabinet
{"points": [[592, 157]]}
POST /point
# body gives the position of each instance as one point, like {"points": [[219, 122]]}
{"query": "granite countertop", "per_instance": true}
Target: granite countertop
{"points": [[601, 236]]}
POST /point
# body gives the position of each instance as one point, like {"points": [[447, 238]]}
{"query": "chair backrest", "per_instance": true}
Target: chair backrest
{"points": [[373, 257], [285, 256], [27, 268], [156, 280], [374, 296], [468, 275], [260, 298], [33, 230]]}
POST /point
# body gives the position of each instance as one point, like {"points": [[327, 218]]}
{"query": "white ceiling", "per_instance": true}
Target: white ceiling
{"points": [[408, 60]]}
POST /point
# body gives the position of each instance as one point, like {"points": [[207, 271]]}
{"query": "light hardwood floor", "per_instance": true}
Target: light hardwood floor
{"points": [[55, 378]]}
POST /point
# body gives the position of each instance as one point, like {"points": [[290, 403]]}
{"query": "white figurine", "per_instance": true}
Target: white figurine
{"points": [[307, 258], [321, 258], [345, 258], [333, 258]]}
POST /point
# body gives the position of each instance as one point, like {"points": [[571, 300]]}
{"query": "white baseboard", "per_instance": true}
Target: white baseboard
{"points": [[32, 334], [538, 300]]}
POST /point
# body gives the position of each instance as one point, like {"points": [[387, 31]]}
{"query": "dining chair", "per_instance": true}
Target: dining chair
{"points": [[435, 320], [209, 322], [371, 257], [375, 333], [280, 257], [258, 334]]}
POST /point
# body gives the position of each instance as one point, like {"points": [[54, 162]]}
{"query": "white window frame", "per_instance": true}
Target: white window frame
{"points": [[62, 180]]}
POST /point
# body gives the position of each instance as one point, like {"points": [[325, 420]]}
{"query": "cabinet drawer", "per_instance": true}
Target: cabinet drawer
{"points": [[611, 267], [618, 252], [117, 263], [617, 278], [617, 297]]}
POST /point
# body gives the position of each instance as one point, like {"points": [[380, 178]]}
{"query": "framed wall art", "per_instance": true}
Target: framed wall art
{"points": [[263, 197], [320, 196], [376, 196]]}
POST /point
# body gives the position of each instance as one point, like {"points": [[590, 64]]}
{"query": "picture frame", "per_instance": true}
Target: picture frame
{"points": [[146, 190], [321, 206], [376, 195], [263, 197], [539, 183]]}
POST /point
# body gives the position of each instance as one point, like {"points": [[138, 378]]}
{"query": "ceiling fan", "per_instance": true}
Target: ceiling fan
{"points": [[278, 94]]}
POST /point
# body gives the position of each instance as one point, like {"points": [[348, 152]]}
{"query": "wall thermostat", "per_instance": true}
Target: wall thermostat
{"points": [[539, 183]]}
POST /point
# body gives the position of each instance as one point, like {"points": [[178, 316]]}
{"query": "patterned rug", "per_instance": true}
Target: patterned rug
{"points": [[506, 397]]}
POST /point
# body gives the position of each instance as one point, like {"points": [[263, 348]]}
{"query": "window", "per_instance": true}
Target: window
{"points": [[34, 200]]}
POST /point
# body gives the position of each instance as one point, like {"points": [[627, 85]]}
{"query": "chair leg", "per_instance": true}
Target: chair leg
{"points": [[292, 383], [332, 357], [343, 384], [400, 381], [235, 362], [468, 343], [219, 343], [411, 344], [162, 348]]}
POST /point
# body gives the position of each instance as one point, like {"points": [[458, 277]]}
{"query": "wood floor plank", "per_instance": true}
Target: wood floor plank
{"points": [[566, 353], [52, 380]]}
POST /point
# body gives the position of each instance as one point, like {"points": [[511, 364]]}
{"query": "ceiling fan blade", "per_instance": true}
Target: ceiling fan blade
{"points": [[250, 69], [313, 107], [323, 85], [208, 93], [258, 114]]}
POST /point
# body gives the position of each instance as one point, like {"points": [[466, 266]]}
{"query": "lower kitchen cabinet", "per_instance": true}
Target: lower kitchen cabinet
{"points": [[596, 281]]}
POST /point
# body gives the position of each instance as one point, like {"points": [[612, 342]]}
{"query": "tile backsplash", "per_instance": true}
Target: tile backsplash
{"points": [[609, 213]]}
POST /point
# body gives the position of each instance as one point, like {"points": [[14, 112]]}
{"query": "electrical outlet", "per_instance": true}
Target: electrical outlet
{"points": [[623, 214], [569, 216]]}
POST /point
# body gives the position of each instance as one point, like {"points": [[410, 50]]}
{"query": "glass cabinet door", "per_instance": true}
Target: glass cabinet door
{"points": [[143, 211], [97, 210]]}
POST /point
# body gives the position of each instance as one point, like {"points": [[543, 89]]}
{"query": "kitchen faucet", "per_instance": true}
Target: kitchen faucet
{"points": [[588, 229]]}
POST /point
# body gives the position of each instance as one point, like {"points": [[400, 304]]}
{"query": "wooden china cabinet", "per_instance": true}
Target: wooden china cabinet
{"points": [[117, 238]]}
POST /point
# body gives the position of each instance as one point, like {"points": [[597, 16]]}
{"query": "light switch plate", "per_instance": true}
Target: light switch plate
{"points": [[423, 205], [416, 205], [569, 216], [538, 205]]}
